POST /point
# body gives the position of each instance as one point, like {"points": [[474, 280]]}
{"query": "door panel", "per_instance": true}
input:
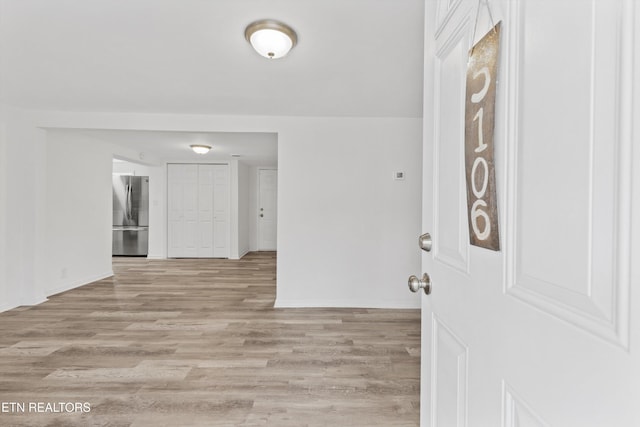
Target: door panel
{"points": [[221, 226], [176, 231], [175, 224], [517, 413], [183, 210], [539, 333], [575, 208], [205, 211], [450, 379], [190, 212], [450, 210]]}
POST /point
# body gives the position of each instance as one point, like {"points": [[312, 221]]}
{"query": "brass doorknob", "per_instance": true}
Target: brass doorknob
{"points": [[415, 284]]}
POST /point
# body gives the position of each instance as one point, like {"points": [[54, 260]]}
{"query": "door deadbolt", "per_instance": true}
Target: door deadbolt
{"points": [[425, 242]]}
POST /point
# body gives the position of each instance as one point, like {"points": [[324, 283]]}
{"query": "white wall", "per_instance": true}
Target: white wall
{"points": [[243, 209], [79, 211], [347, 231], [4, 291], [136, 169], [23, 210]]}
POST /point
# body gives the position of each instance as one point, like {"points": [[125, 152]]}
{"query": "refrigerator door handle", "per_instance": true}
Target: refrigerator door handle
{"points": [[127, 208]]}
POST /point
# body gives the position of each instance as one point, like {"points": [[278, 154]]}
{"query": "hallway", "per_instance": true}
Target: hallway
{"points": [[197, 342]]}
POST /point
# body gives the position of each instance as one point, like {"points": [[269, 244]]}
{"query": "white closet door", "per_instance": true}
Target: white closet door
{"points": [[198, 205], [221, 227], [182, 215], [205, 210]]}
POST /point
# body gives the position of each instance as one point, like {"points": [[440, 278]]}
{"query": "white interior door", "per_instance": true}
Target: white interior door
{"points": [[221, 212], [268, 209], [540, 333], [182, 196]]}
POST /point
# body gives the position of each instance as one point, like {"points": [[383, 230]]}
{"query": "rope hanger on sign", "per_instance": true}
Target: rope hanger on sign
{"points": [[475, 25]]}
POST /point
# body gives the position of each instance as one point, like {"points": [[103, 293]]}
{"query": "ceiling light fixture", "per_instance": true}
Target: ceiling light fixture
{"points": [[200, 149], [271, 39]]}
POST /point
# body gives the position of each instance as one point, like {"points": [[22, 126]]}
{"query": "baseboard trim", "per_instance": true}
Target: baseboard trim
{"points": [[387, 304], [79, 282], [8, 307], [155, 257], [35, 300]]}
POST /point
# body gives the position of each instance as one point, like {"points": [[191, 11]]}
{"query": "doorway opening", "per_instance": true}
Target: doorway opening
{"points": [[130, 218]]}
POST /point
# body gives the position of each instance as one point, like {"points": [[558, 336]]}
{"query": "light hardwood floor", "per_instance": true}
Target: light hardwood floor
{"points": [[198, 343]]}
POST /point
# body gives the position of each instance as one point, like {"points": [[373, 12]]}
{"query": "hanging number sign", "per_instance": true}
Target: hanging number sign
{"points": [[478, 136]]}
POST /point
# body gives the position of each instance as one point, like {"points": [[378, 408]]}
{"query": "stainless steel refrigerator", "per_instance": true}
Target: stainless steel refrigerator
{"points": [[130, 215]]}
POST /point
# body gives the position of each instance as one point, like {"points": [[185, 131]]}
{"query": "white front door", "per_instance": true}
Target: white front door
{"points": [[544, 332], [268, 209]]}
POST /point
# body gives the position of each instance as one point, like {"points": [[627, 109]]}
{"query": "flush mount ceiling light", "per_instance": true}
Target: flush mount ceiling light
{"points": [[271, 39], [200, 149]]}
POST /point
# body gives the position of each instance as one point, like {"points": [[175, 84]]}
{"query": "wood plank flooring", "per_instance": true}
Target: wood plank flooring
{"points": [[198, 343]]}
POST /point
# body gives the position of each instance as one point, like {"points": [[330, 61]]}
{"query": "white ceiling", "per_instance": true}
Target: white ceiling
{"points": [[255, 149], [354, 57]]}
